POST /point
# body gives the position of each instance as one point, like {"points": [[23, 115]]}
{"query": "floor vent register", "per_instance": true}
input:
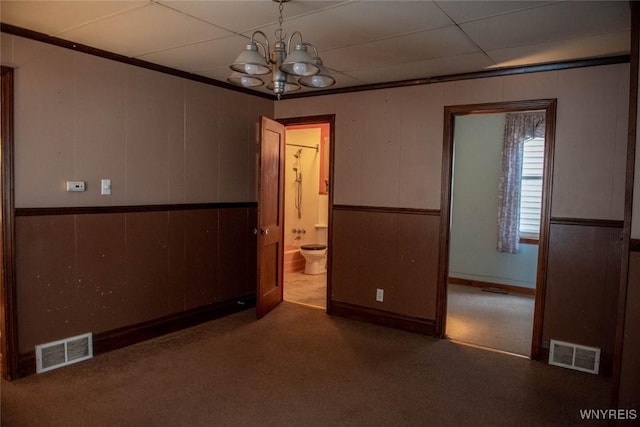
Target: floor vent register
{"points": [[63, 352]]}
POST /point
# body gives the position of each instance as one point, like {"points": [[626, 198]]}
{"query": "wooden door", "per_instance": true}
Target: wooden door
{"points": [[270, 216]]}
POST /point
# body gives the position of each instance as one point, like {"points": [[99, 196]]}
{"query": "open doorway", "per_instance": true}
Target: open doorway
{"points": [[307, 210], [496, 216]]}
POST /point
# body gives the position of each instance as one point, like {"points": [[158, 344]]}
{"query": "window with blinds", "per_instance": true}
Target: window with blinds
{"points": [[531, 191]]}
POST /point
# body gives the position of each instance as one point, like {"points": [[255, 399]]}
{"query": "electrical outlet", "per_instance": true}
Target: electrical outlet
{"points": [[379, 295]]}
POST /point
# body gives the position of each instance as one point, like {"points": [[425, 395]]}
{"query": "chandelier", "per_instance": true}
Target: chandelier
{"points": [[288, 69]]}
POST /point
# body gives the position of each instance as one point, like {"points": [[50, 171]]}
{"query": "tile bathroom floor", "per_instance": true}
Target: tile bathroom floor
{"points": [[306, 289]]}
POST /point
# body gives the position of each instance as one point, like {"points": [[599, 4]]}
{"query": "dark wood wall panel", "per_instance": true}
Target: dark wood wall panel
{"points": [[98, 272], [582, 287], [234, 277], [101, 276], [418, 264], [394, 251], [147, 261], [378, 246], [201, 254], [46, 278], [345, 267], [630, 369], [177, 262]]}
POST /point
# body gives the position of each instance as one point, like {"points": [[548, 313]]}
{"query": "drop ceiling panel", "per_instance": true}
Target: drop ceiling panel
{"points": [[361, 21], [423, 69], [52, 17], [465, 11], [200, 56], [425, 45], [245, 15], [582, 48], [144, 30], [554, 22], [360, 41]]}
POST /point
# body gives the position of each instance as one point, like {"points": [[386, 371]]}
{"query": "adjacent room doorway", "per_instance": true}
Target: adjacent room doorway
{"points": [[491, 289]]}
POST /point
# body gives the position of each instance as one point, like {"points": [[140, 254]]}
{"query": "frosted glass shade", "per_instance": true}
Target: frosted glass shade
{"points": [[299, 63], [245, 80], [251, 62]]}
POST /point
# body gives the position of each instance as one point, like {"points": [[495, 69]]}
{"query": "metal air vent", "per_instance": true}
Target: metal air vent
{"points": [[574, 356], [63, 352]]}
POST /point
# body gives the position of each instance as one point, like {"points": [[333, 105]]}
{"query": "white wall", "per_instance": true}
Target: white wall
{"points": [[473, 255]]}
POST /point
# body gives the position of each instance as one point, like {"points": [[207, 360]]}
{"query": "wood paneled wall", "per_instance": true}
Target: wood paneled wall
{"points": [[630, 371], [388, 249], [398, 251], [97, 272], [582, 286]]}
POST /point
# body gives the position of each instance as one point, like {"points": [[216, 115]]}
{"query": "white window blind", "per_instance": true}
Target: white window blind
{"points": [[531, 191]]}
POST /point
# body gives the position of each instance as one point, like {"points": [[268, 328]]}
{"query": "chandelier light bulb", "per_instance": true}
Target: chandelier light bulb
{"points": [[317, 81], [251, 69], [321, 80], [245, 80], [300, 68]]}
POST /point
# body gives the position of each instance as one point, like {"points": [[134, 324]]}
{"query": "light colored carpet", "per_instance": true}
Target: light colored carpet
{"points": [[307, 289], [300, 367], [502, 322]]}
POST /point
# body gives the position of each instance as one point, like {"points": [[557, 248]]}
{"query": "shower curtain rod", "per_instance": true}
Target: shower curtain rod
{"points": [[305, 146]]}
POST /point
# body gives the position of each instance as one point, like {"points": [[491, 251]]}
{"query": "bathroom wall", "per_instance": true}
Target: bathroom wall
{"points": [[314, 205], [474, 229]]}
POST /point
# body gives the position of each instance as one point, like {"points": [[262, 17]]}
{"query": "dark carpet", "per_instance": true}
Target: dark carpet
{"points": [[300, 367]]}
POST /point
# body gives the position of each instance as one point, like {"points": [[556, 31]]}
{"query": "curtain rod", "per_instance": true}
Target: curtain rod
{"points": [[305, 146]]}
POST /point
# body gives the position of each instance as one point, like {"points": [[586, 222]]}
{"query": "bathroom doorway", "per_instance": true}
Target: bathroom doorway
{"points": [[307, 201], [492, 278]]}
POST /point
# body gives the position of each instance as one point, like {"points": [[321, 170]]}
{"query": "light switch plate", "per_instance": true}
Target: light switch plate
{"points": [[105, 187]]}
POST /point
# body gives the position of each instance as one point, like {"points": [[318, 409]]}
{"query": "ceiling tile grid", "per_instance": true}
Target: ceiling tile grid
{"points": [[360, 41]]}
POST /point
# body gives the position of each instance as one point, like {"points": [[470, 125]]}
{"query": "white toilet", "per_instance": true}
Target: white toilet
{"points": [[315, 254]]}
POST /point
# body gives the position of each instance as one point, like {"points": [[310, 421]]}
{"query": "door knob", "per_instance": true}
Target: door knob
{"points": [[255, 231], [264, 231]]}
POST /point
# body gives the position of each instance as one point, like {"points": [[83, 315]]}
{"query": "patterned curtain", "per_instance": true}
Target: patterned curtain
{"points": [[517, 129]]}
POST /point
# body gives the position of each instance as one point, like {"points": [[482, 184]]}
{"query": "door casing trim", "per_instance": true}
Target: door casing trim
{"points": [[9, 322], [331, 120], [450, 113]]}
